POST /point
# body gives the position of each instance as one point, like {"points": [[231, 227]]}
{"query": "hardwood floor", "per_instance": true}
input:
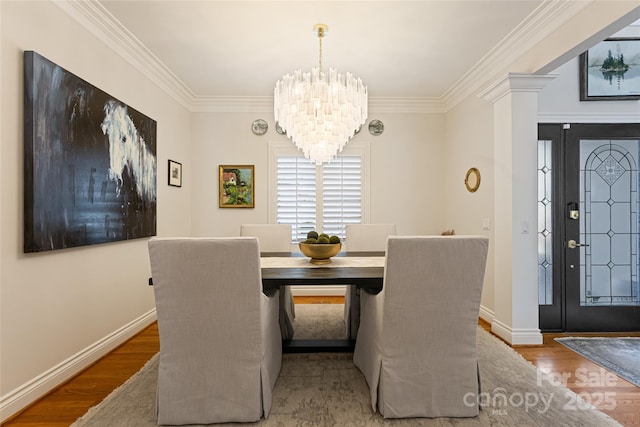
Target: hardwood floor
{"points": [[64, 405], [611, 394]]}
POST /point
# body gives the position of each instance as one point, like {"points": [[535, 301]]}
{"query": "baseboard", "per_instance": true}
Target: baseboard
{"points": [[319, 291], [23, 396], [516, 336], [486, 314]]}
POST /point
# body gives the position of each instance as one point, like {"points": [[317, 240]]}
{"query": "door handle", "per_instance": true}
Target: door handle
{"points": [[572, 244]]}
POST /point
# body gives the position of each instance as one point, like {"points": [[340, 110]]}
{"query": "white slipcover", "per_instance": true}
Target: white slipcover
{"points": [[362, 238], [416, 344], [276, 238], [220, 344]]}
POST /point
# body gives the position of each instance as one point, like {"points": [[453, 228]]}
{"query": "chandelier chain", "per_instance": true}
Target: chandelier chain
{"points": [[320, 54]]}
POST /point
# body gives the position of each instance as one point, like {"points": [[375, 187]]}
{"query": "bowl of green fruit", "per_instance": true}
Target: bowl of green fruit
{"points": [[320, 247]]}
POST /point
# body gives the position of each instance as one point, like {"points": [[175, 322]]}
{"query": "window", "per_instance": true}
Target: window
{"points": [[545, 217], [323, 197]]}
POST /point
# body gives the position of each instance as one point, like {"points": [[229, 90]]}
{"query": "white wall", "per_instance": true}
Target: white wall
{"points": [[559, 101], [61, 309], [407, 169], [470, 144], [54, 305]]}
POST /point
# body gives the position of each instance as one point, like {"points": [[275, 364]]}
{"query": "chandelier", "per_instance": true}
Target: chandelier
{"points": [[320, 111]]}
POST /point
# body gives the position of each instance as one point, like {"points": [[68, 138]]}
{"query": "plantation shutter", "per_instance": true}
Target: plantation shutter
{"points": [[341, 194], [296, 194], [322, 198]]}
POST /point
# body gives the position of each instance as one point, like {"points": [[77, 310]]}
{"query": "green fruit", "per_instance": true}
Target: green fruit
{"points": [[323, 240], [334, 239], [312, 234], [324, 235], [311, 241]]}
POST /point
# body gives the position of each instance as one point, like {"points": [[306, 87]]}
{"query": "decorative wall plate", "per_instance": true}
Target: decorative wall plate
{"points": [[279, 129], [376, 127], [259, 127]]}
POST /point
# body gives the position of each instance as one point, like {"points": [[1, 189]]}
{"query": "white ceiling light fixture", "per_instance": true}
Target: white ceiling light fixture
{"points": [[320, 111]]}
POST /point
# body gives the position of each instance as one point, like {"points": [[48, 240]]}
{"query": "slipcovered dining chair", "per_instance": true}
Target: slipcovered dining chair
{"points": [[220, 344], [276, 238], [362, 238], [416, 344]]}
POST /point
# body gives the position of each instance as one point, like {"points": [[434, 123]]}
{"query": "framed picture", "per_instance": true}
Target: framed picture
{"points": [[89, 162], [236, 186], [175, 174], [609, 71]]}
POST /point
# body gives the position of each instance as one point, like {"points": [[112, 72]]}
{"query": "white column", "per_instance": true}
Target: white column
{"points": [[515, 127]]}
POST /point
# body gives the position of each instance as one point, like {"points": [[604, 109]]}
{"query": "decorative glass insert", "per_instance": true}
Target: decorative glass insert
{"points": [[610, 170], [545, 248], [609, 224]]}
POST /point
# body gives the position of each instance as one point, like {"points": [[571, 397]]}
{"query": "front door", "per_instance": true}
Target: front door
{"points": [[596, 239]]}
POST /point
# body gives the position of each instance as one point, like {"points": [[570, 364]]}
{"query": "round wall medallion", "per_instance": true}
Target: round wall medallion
{"points": [[376, 127], [279, 129], [472, 180], [259, 127]]}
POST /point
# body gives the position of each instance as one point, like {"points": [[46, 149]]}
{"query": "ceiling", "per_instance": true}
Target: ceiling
{"points": [[400, 49]]}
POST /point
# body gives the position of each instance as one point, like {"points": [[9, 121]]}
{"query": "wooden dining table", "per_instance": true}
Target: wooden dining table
{"points": [[365, 270]]}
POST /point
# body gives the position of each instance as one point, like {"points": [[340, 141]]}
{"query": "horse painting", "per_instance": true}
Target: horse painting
{"points": [[90, 163]]}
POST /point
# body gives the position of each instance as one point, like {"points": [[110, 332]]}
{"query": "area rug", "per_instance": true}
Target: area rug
{"points": [[619, 355], [326, 389]]}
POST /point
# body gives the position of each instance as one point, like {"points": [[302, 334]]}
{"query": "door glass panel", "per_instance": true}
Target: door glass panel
{"points": [[545, 260], [609, 222]]}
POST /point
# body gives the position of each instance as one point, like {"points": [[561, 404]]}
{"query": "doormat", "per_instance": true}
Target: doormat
{"points": [[619, 355]]}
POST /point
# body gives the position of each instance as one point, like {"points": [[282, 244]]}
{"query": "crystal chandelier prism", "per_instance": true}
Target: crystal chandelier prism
{"points": [[320, 111]]}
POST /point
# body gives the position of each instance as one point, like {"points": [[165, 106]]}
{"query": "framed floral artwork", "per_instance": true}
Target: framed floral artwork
{"points": [[236, 186]]}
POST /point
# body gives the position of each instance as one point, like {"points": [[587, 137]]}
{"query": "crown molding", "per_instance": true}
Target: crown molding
{"points": [[99, 22], [548, 17], [541, 22], [515, 82], [231, 104], [264, 104], [407, 105]]}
